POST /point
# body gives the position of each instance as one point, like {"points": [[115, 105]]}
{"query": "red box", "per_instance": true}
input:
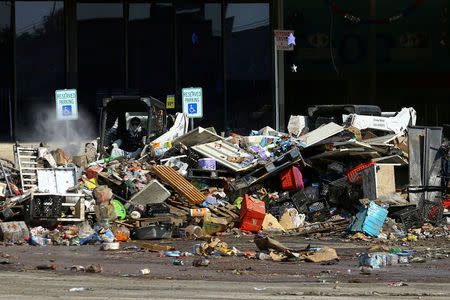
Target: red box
{"points": [[92, 172], [253, 212], [291, 179], [354, 175]]}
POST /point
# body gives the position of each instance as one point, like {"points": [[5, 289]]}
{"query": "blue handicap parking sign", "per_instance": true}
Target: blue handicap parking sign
{"points": [[67, 110], [192, 108]]}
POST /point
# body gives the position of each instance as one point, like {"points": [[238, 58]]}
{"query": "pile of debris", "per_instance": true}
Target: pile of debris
{"points": [[340, 169]]}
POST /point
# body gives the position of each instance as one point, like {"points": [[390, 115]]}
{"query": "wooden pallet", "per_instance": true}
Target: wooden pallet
{"points": [[179, 184], [231, 214], [322, 227]]}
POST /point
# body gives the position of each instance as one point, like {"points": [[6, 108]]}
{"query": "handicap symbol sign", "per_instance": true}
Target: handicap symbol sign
{"points": [[67, 110], [192, 108]]}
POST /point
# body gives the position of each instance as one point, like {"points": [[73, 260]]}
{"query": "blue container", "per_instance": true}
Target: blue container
{"points": [[403, 258], [369, 220], [207, 163]]}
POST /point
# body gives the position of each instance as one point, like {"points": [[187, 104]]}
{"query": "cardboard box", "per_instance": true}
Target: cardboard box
{"points": [[212, 225]]}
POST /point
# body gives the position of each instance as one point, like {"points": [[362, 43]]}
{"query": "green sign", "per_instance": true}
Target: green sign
{"points": [[193, 102], [66, 104]]}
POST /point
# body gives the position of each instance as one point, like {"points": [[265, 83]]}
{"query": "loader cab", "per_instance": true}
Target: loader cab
{"points": [[323, 114], [117, 111]]}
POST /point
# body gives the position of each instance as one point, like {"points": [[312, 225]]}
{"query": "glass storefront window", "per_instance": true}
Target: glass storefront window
{"points": [[5, 70], [101, 56], [40, 66], [200, 57], [151, 65], [249, 66]]}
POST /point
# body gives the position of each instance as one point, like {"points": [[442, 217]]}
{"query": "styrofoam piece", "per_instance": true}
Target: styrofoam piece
{"points": [[320, 134], [56, 180], [154, 192], [111, 246], [196, 137]]}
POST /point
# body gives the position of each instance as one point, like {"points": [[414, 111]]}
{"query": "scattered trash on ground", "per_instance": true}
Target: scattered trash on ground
{"points": [[324, 177]]}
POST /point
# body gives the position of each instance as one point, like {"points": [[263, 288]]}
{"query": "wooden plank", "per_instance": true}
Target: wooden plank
{"points": [[179, 184], [217, 211], [156, 247], [230, 213], [176, 211]]}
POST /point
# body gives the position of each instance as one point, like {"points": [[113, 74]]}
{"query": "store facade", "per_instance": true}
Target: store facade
{"points": [[106, 48], [134, 48]]}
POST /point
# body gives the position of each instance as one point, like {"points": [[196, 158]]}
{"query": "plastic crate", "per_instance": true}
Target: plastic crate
{"points": [[411, 217], [432, 212], [369, 220], [252, 214], [318, 211], [302, 198], [354, 176], [311, 205], [46, 207], [157, 208], [192, 159], [291, 179]]}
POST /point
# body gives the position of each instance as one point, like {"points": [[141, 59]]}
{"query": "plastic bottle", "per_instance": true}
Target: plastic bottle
{"points": [[263, 256], [178, 262], [107, 234], [198, 212]]}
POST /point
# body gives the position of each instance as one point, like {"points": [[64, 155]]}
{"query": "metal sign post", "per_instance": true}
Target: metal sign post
{"points": [[280, 43], [277, 101]]}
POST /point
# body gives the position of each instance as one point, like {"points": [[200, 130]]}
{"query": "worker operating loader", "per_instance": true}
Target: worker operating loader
{"points": [[132, 141]]}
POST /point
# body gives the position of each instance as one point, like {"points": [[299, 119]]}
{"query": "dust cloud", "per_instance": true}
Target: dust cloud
{"points": [[70, 136]]}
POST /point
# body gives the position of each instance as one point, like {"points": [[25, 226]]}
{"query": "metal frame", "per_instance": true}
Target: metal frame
{"points": [[14, 70], [424, 163]]}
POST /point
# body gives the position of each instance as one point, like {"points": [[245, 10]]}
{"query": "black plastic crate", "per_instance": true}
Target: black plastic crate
{"points": [[301, 198], [316, 209], [411, 217], [192, 159], [157, 208], [432, 212], [46, 207]]}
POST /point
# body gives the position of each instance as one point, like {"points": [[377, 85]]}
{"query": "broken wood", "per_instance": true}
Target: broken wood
{"points": [[178, 183], [156, 248]]}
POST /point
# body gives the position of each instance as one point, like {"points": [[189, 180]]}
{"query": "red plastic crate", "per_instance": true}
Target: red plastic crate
{"points": [[291, 179], [446, 203], [252, 215], [353, 174]]}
